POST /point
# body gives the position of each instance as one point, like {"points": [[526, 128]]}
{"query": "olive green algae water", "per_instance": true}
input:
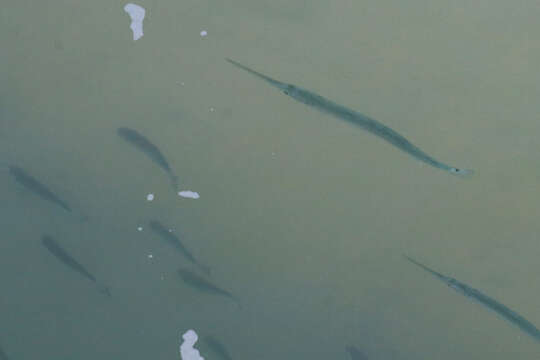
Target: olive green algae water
{"points": [[303, 217]]}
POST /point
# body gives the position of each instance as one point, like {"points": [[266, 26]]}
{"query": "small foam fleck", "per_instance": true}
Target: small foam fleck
{"points": [[189, 194], [187, 347], [136, 13]]}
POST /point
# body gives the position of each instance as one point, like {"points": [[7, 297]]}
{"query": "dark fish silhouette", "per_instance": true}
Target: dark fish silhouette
{"points": [[140, 142], [61, 254], [203, 285], [492, 304], [341, 112], [355, 353], [173, 240], [32, 184], [216, 346]]}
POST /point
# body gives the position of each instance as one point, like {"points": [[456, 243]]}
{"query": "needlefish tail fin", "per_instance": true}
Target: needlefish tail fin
{"points": [[234, 299], [175, 181], [65, 206], [104, 289], [238, 302], [83, 217], [462, 173]]}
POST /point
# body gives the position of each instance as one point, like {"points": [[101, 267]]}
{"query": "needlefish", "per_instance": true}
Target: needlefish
{"points": [[35, 186], [492, 304], [199, 283], [173, 240], [371, 125], [54, 248], [144, 145]]}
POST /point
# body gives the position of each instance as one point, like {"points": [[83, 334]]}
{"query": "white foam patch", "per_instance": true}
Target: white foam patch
{"points": [[187, 351], [136, 13], [189, 194]]}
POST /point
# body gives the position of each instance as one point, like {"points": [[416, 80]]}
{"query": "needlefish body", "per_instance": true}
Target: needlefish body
{"points": [[371, 125], [173, 240], [35, 186], [202, 285], [144, 145], [492, 304], [65, 258]]}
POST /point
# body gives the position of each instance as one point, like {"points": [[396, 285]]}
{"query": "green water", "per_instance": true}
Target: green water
{"points": [[302, 216]]}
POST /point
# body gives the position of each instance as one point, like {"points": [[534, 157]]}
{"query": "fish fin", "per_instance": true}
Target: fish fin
{"points": [[237, 301], [175, 182], [66, 207], [104, 290], [463, 173]]}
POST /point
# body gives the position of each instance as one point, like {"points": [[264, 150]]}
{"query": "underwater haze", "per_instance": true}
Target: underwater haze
{"points": [[295, 247]]}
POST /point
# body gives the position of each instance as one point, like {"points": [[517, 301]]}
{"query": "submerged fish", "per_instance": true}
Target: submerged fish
{"points": [[355, 353], [204, 285], [492, 304], [371, 125], [32, 184], [143, 144], [216, 346], [61, 254], [173, 240]]}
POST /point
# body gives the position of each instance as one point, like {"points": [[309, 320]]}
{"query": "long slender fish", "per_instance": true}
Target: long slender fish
{"points": [[32, 184], [355, 353], [371, 125], [204, 285], [216, 346], [142, 143], [173, 240], [492, 304], [62, 255]]}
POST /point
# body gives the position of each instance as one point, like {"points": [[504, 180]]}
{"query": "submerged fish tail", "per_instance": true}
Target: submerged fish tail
{"points": [[104, 289], [174, 181]]}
